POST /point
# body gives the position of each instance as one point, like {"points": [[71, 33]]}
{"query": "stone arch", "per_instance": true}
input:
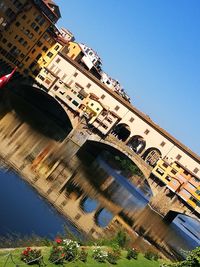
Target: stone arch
{"points": [[122, 131], [152, 155], [103, 217], [39, 109], [137, 144], [89, 205]]}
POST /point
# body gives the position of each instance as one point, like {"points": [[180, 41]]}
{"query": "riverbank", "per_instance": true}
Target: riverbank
{"points": [[13, 256]]}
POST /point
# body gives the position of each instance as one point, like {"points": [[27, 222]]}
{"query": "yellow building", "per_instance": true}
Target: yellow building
{"points": [[29, 35], [93, 108], [180, 181], [73, 50]]}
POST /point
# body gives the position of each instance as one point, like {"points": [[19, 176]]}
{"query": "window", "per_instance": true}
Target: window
{"points": [[92, 104], [173, 171], [162, 144], [39, 43], [27, 59], [17, 24], [41, 77], [64, 76], [75, 74], [49, 54], [24, 17], [97, 109], [38, 57], [44, 48], [57, 60], [117, 108], [9, 45], [146, 131], [56, 48], [75, 103], [55, 88], [103, 96], [78, 216], [131, 119], [88, 85], [178, 157], [196, 170], [33, 51], [68, 97]]}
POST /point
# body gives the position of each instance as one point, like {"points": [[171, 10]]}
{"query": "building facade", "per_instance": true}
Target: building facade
{"points": [[29, 34]]}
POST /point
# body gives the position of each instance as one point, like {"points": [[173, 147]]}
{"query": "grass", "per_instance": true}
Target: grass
{"points": [[123, 262]]}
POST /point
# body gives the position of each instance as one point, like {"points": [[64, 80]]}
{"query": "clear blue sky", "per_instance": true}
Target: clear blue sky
{"points": [[153, 48]]}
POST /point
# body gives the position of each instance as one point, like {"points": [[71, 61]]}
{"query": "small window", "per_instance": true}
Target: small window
{"points": [[88, 85], [41, 77], [92, 104], [24, 17], [44, 48], [49, 54], [9, 45], [57, 60], [55, 88], [162, 144], [97, 109], [117, 108], [103, 96], [131, 119], [39, 43], [56, 48], [33, 51], [75, 74], [17, 24], [77, 217], [4, 41], [196, 170], [75, 103], [178, 157], [173, 171], [146, 131]]}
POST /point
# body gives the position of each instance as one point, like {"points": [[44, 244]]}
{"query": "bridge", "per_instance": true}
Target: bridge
{"points": [[71, 142]]}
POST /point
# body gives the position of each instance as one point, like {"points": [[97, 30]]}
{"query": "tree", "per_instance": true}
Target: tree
{"points": [[192, 260]]}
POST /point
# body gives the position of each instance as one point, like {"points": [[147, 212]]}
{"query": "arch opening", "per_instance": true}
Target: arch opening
{"points": [[122, 131], [137, 144], [151, 156], [40, 110]]}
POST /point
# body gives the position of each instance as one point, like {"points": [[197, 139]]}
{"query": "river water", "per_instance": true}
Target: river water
{"points": [[23, 211]]}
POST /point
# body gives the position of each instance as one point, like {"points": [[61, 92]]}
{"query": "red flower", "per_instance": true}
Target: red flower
{"points": [[25, 252], [28, 249], [63, 255], [58, 240]]}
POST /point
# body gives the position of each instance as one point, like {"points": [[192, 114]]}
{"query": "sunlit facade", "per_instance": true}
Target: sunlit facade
{"points": [[29, 34]]}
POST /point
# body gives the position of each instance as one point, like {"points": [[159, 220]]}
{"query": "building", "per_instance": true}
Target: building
{"points": [[180, 181], [29, 34]]}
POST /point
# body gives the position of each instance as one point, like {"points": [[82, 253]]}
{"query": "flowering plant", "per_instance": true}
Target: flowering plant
{"points": [[70, 248], [31, 256], [57, 255], [99, 255]]}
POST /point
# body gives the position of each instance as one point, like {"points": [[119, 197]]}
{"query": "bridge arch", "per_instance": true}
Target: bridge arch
{"points": [[137, 144], [39, 109], [152, 155], [122, 131], [89, 205], [103, 217]]}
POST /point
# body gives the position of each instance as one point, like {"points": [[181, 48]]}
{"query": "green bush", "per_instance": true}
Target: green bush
{"points": [[132, 254], [151, 255], [83, 255], [112, 258]]}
